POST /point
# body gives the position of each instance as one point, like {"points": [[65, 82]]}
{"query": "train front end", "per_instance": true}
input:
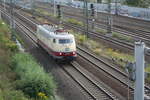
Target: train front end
{"points": [[66, 48]]}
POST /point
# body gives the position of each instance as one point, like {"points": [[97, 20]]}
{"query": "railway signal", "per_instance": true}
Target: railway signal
{"points": [[59, 11], [92, 10], [92, 15]]}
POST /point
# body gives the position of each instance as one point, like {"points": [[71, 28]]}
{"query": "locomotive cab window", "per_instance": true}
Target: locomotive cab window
{"points": [[65, 41], [54, 40]]}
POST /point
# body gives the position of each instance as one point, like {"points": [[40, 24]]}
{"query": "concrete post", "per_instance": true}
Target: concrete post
{"points": [[139, 59]]}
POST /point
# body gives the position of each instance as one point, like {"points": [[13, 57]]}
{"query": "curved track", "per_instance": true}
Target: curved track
{"points": [[124, 27], [108, 70]]}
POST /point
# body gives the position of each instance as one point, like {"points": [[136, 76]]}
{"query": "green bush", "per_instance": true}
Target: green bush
{"points": [[5, 38], [12, 95], [31, 77]]}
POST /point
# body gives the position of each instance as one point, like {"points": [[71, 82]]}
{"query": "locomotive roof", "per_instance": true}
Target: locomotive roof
{"points": [[54, 32]]}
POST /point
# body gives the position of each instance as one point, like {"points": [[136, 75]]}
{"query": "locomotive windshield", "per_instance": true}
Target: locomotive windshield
{"points": [[65, 41]]}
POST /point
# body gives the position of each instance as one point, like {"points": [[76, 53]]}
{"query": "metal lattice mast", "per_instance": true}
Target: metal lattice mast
{"points": [[86, 17], [109, 19], [4, 5], [116, 7], [54, 4], [12, 22]]}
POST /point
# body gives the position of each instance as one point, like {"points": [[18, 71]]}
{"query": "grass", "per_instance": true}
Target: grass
{"points": [[103, 31], [70, 20], [99, 49], [122, 37], [15, 34], [44, 12], [147, 70], [74, 21], [42, 20], [22, 78], [32, 79], [7, 76], [117, 35]]}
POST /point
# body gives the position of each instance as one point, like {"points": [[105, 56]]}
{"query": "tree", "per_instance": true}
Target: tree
{"points": [[138, 3], [99, 1], [133, 2], [144, 3]]}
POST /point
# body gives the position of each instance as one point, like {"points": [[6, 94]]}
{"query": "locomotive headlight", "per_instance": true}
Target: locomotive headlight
{"points": [[60, 53], [74, 53]]}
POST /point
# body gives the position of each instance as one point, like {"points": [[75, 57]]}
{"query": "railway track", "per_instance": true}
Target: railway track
{"points": [[136, 34], [91, 33], [116, 42], [112, 41], [124, 78], [95, 91], [105, 71], [92, 61], [147, 88]]}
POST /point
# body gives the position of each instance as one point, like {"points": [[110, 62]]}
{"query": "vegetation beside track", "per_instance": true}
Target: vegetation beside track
{"points": [[74, 21], [117, 35], [43, 12], [7, 76], [31, 77], [122, 37], [22, 78], [80, 23], [103, 31], [99, 49]]}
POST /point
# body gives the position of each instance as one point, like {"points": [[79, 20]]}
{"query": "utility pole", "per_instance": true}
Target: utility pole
{"points": [[32, 7], [54, 4], [136, 70], [96, 11], [87, 18], [12, 21], [109, 19], [116, 7], [4, 5], [0, 10], [0, 15], [31, 4]]}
